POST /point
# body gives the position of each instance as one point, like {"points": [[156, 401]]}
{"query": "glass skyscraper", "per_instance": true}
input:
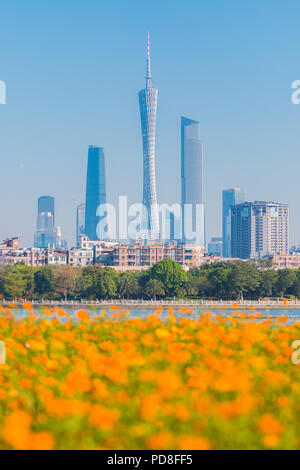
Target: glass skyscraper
{"points": [[95, 194], [148, 105], [192, 183], [45, 235], [230, 197]]}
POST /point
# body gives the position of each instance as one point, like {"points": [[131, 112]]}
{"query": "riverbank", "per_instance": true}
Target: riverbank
{"points": [[216, 304]]}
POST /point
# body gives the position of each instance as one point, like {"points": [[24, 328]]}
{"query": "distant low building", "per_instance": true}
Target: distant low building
{"points": [[215, 246], [81, 257], [284, 261]]}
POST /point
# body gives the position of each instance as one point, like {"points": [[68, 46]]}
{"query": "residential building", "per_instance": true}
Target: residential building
{"points": [[284, 261], [81, 257], [259, 229]]}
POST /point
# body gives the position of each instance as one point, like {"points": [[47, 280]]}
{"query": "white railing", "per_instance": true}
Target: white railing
{"points": [[175, 303]]}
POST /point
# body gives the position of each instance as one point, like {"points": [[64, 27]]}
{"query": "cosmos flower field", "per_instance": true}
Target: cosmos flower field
{"points": [[115, 382]]}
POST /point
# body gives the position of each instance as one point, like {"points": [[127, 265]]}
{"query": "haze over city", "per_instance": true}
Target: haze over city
{"points": [[73, 71]]}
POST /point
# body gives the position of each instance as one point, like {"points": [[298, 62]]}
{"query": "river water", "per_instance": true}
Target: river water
{"points": [[292, 315]]}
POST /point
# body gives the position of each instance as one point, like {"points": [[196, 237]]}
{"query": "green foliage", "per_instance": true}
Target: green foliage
{"points": [[43, 281], [224, 280], [171, 274], [154, 289], [244, 278], [286, 279], [18, 281], [128, 285]]}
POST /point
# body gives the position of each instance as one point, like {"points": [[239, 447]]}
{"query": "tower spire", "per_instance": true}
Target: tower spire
{"points": [[148, 73]]}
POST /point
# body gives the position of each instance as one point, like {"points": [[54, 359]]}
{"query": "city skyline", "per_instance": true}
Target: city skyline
{"points": [[90, 100]]}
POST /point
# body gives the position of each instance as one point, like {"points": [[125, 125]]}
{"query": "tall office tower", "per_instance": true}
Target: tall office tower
{"points": [[46, 205], [148, 105], [230, 197], [95, 227], [80, 222], [259, 229], [192, 201], [45, 235]]}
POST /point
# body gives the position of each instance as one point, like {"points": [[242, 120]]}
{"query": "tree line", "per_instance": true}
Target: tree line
{"points": [[166, 279]]}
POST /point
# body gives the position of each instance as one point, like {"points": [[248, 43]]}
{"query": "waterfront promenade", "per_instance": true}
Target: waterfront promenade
{"points": [[222, 304]]}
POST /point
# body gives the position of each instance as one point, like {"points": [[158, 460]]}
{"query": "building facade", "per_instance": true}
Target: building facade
{"points": [[46, 233], [259, 229], [80, 222], [148, 106], [230, 197], [284, 261], [215, 247], [192, 202], [95, 223]]}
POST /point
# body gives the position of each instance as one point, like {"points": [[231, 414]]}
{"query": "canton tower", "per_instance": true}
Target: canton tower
{"points": [[148, 105]]}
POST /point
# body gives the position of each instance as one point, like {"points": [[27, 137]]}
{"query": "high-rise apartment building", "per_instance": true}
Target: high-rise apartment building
{"points": [[80, 222], [230, 197], [192, 201], [95, 227], [148, 106], [259, 229]]}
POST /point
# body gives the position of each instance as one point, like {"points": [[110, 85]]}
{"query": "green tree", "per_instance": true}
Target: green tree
{"points": [[44, 281], [154, 289], [244, 279], [191, 287], [66, 280], [286, 279], [218, 278], [128, 285], [18, 281], [106, 283], [295, 289], [267, 282], [171, 274]]}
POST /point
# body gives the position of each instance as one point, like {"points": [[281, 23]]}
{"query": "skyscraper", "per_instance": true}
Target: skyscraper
{"points": [[80, 222], [95, 194], [45, 235], [46, 205], [192, 182], [230, 197], [259, 229], [148, 105]]}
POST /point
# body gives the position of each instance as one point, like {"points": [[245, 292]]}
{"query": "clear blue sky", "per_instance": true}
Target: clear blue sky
{"points": [[73, 70]]}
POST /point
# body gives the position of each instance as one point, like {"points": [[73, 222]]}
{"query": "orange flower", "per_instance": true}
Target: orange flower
{"points": [[270, 441], [193, 443], [41, 441], [82, 315], [103, 418], [161, 441], [16, 430], [269, 425]]}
